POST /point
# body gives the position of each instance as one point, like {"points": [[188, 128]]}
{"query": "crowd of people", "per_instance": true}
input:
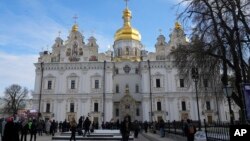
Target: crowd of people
{"points": [[13, 129]]}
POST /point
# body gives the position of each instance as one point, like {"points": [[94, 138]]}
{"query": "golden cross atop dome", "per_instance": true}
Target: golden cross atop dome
{"points": [[93, 32], [75, 18], [75, 26], [59, 33], [126, 3], [160, 30]]}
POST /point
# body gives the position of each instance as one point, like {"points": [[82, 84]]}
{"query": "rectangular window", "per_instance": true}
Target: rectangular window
{"points": [[208, 105], [182, 83], [158, 106], [47, 107], [95, 107], [117, 88], [117, 112], [96, 84], [183, 106], [136, 71], [116, 71], [72, 107], [49, 85], [137, 88], [73, 84], [205, 82], [137, 112], [158, 83]]}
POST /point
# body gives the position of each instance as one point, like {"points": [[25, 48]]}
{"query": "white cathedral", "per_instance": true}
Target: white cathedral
{"points": [[76, 80]]}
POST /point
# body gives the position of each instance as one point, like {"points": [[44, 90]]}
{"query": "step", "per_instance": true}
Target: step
{"points": [[90, 138]]}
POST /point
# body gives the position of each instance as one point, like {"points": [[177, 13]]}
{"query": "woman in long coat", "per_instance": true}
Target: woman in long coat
{"points": [[126, 128]]}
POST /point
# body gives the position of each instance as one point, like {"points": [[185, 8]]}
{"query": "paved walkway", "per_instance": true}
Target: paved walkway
{"points": [[169, 137], [141, 137]]}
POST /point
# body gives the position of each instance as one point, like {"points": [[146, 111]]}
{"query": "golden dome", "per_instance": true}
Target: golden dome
{"points": [[177, 25], [75, 27], [127, 32]]}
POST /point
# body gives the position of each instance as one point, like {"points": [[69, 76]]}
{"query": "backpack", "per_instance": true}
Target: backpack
{"points": [[190, 129]]}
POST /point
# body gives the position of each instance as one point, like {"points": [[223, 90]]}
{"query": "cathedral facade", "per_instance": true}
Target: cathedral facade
{"points": [[76, 80]]}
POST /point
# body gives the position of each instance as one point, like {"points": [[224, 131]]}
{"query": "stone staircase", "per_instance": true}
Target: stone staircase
{"points": [[96, 135]]}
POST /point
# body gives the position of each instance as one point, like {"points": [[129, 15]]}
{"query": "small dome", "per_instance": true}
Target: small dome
{"points": [[127, 32], [75, 27], [178, 25]]}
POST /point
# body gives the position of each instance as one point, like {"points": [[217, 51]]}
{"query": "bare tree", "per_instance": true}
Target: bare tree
{"points": [[14, 98], [221, 34]]}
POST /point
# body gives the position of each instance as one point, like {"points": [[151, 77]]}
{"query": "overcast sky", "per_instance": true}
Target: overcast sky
{"points": [[30, 26]]}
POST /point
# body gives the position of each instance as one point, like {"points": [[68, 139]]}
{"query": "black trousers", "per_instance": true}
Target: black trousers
{"points": [[24, 137], [85, 131], [73, 136], [31, 136]]}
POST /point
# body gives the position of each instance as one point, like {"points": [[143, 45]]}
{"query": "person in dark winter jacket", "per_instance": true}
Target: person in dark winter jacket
{"points": [[33, 130], [136, 128], [125, 128], [145, 126], [53, 128], [161, 126], [24, 130], [86, 125], [11, 131], [73, 126], [190, 130]]}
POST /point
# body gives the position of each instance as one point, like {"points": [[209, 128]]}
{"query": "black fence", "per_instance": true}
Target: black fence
{"points": [[215, 131]]}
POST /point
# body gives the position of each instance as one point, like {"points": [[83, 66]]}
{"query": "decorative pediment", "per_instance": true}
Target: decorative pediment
{"points": [[73, 75], [96, 75], [157, 74], [49, 76]]}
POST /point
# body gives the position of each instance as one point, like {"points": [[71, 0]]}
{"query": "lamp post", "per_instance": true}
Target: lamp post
{"points": [[195, 77], [150, 92], [41, 85], [228, 90]]}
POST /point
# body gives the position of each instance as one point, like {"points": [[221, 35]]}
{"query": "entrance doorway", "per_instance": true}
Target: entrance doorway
{"points": [[159, 118], [209, 119]]}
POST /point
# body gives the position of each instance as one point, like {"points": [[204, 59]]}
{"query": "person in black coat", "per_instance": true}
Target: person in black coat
{"points": [[11, 131], [86, 125], [145, 125], [53, 128], [24, 130], [33, 130], [80, 122], [126, 128], [73, 126], [136, 128], [190, 130]]}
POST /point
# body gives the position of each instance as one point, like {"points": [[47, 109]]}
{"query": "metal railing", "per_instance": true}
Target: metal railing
{"points": [[215, 131]]}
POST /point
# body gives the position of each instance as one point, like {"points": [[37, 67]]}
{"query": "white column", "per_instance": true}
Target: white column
{"points": [[108, 82], [145, 81], [108, 110], [145, 109], [37, 83]]}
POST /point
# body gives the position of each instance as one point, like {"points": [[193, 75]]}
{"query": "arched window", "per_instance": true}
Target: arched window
{"points": [[72, 107], [158, 106], [117, 88], [119, 51], [135, 52], [127, 51], [183, 106], [137, 88]]}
